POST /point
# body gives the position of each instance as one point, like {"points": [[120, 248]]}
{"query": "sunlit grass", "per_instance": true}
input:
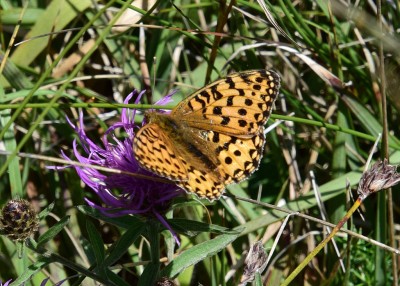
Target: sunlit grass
{"points": [[329, 60]]}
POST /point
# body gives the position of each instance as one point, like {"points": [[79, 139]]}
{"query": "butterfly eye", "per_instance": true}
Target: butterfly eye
{"points": [[204, 134]]}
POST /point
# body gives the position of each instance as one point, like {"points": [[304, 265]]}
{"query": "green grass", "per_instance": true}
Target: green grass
{"points": [[332, 63]]}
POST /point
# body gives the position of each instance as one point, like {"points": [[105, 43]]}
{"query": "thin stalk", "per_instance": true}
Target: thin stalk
{"points": [[312, 254]]}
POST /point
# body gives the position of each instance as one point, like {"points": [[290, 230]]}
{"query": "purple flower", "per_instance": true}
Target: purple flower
{"points": [[122, 193], [44, 282], [5, 283]]}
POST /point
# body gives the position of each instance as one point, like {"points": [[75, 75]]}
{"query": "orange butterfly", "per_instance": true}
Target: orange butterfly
{"points": [[212, 138]]}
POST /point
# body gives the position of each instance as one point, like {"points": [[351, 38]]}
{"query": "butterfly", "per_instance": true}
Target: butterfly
{"points": [[214, 137]]}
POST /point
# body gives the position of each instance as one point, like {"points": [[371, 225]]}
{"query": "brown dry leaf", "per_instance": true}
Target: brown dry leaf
{"points": [[130, 17]]}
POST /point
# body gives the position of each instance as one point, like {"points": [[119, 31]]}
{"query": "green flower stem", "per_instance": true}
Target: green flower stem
{"points": [[153, 230], [316, 250], [149, 106], [327, 126], [151, 273]]}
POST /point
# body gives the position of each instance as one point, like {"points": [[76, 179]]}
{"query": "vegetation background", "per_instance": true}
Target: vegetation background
{"points": [[339, 63]]}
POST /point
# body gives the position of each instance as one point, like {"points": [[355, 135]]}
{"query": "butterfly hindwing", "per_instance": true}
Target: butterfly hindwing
{"points": [[238, 157]]}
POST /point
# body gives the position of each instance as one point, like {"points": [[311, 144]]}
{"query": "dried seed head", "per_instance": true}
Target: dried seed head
{"points": [[18, 220], [164, 281], [256, 260], [380, 176]]}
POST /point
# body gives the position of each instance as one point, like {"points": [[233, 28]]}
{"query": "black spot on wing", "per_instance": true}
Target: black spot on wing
{"points": [[225, 120]]}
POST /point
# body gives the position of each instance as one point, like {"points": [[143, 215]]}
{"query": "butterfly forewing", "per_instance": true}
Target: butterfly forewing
{"points": [[237, 105], [155, 152]]}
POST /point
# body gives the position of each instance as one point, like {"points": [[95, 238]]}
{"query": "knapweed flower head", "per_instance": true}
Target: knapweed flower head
{"points": [[122, 193], [18, 220]]}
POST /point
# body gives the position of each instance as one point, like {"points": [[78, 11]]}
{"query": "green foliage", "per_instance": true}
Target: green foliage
{"points": [[67, 56]]}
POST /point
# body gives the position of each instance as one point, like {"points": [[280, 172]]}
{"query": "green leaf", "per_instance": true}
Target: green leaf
{"points": [[191, 227], [53, 231], [50, 21], [14, 172], [339, 161], [96, 242], [123, 221], [30, 271], [122, 245], [13, 76], [114, 278], [368, 120], [45, 212], [197, 253], [12, 16], [150, 274]]}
